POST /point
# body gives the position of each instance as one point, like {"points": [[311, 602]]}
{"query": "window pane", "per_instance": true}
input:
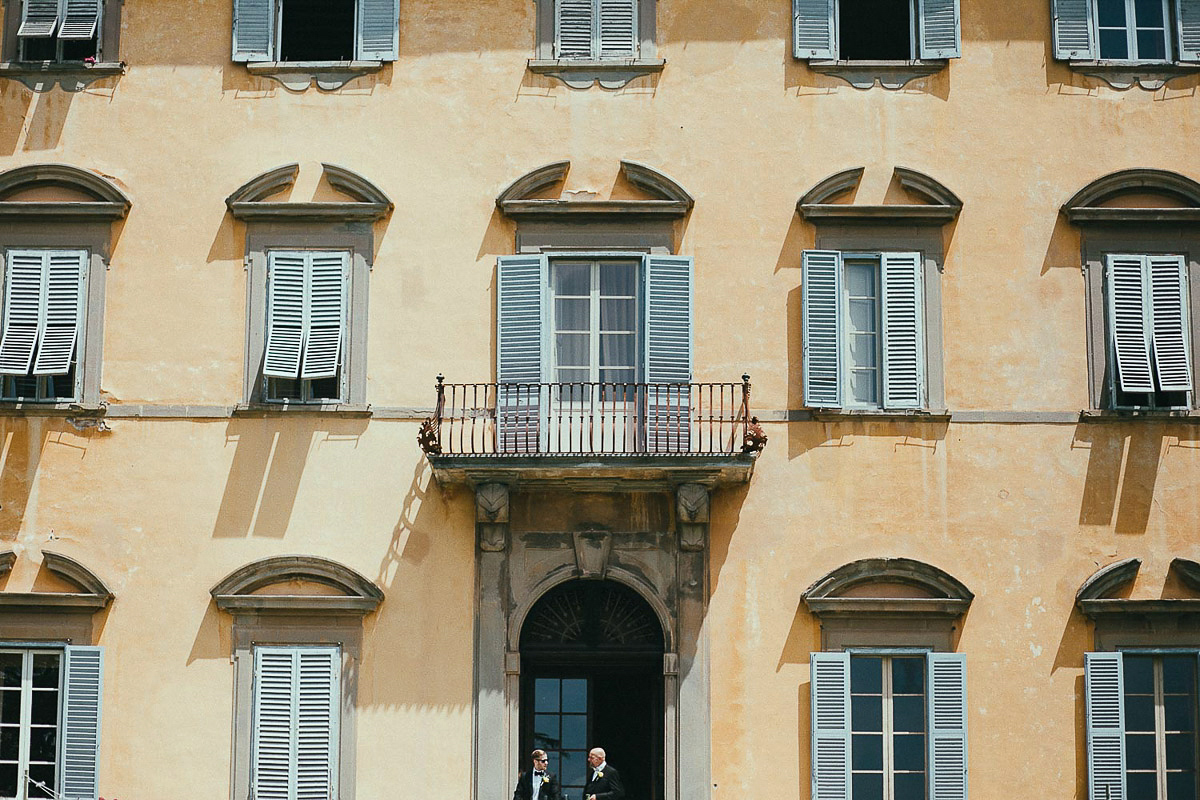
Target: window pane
{"points": [[1152, 45], [572, 279], [45, 670], [552, 764], [1139, 713], [1141, 784], [867, 786], [623, 394], [45, 708], [573, 349], [862, 349], [618, 279], [862, 315], [1179, 674], [44, 774], [1139, 751], [908, 752], [1112, 13], [572, 315], [1113, 44], [908, 676], [8, 780], [574, 731], [10, 670], [43, 744], [10, 743], [866, 713], [1148, 13], [545, 731], [860, 280], [910, 787], [574, 693], [573, 765], [866, 751], [617, 350], [1181, 786], [862, 387], [1179, 712], [568, 394], [866, 675], [908, 713], [618, 315], [1139, 674], [545, 693], [1181, 751], [10, 706]]}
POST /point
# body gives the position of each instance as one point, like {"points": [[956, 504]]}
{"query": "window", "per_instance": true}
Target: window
{"points": [[1148, 310], [59, 30], [44, 301], [887, 726], [864, 343], [1153, 31], [49, 721], [306, 318], [560, 727], [583, 42], [1141, 724], [595, 29], [595, 320], [877, 30], [315, 30]]}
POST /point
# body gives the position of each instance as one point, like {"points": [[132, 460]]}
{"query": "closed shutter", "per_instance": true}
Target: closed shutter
{"points": [[80, 19], [573, 28], [39, 19], [22, 310], [1187, 18], [814, 28], [378, 30], [947, 675], [668, 353], [1074, 30], [317, 715], [253, 29], [520, 285], [285, 314], [83, 691], [1169, 312], [618, 28], [1104, 687], [1128, 323], [272, 756], [822, 327], [829, 679], [941, 35], [903, 331], [326, 276], [62, 312]]}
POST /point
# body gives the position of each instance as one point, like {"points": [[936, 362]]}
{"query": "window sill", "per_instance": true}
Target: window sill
{"points": [[889, 74], [259, 409], [1101, 415], [913, 415], [300, 75], [1149, 75], [610, 74], [51, 408], [72, 76]]}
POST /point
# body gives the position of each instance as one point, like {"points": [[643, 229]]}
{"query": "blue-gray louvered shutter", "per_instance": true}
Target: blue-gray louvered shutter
{"points": [[378, 30], [822, 327], [573, 28], [1104, 687], [271, 751], [318, 706], [39, 19], [903, 331], [22, 310], [1169, 331], [814, 28], [829, 679], [1187, 21], [326, 276], [1074, 30], [1129, 322], [520, 288], [285, 314], [62, 311], [83, 692], [668, 353], [253, 29], [618, 28], [941, 29], [81, 19], [947, 676]]}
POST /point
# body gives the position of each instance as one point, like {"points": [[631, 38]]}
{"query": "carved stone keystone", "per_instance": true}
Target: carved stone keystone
{"points": [[591, 553]]}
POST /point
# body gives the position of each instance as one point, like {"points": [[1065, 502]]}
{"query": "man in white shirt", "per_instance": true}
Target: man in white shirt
{"points": [[604, 782]]}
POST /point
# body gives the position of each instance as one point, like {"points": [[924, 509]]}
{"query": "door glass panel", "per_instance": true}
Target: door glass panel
{"points": [[574, 695], [867, 751], [545, 731], [545, 695]]}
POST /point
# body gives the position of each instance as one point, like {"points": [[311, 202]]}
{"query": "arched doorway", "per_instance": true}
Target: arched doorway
{"points": [[592, 676]]}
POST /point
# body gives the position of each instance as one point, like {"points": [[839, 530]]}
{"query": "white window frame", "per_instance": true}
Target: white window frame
{"points": [[594, 261], [1160, 754], [25, 723], [847, 367], [1170, 44], [887, 655]]}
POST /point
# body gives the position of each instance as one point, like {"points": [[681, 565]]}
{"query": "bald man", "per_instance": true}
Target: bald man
{"points": [[604, 782]]}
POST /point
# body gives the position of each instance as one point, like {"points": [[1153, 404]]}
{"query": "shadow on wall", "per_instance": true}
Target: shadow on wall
{"points": [[34, 121], [23, 441], [267, 467]]}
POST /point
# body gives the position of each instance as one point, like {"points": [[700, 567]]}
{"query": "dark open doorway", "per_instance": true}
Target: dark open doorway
{"points": [[591, 676]]}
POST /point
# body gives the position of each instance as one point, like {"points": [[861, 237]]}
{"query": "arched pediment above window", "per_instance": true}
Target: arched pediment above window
{"points": [[247, 589], [1153, 195], [90, 592], [888, 586], [940, 207], [1098, 595], [665, 197], [1108, 580], [251, 200], [88, 195]]}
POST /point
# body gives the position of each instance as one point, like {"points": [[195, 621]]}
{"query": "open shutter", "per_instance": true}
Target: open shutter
{"points": [[378, 30], [253, 29], [618, 28], [63, 312], [40, 19], [22, 310], [520, 282], [325, 285], [1105, 726], [829, 678], [903, 331], [1187, 18], [941, 35], [285, 314], [1169, 312], [1074, 30], [815, 27], [83, 690], [668, 353], [1128, 323], [81, 18], [947, 675], [273, 747], [573, 28], [317, 715], [822, 328]]}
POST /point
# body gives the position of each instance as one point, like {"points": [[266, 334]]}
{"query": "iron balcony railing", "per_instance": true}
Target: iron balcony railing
{"points": [[589, 418]]}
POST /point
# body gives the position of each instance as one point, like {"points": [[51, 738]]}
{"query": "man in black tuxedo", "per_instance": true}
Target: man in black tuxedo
{"points": [[538, 783], [604, 782]]}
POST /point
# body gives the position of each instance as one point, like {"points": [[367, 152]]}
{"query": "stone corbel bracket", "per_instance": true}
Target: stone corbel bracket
{"points": [[585, 74], [492, 516], [692, 502], [297, 76], [39, 77]]}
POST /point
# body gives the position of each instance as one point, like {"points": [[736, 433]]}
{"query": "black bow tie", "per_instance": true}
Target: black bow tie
{"points": [[538, 772]]}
